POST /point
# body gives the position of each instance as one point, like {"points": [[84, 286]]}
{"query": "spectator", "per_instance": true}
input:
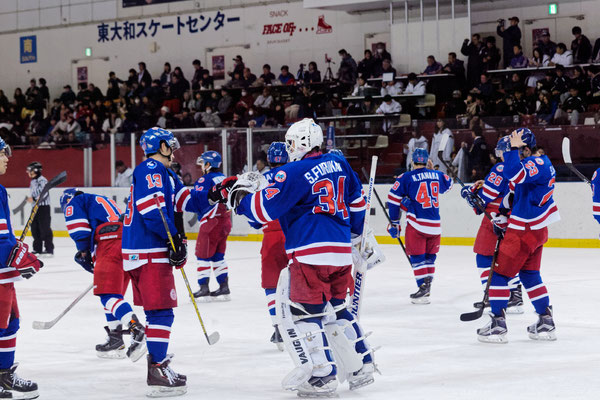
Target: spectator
{"points": [[594, 93], [359, 88], [188, 101], [264, 100], [456, 106], [511, 37], [414, 86], [562, 56], [267, 76], [238, 66], [131, 78], [393, 88], [539, 59], [580, 47], [546, 46], [165, 77], [225, 103], [522, 106], [209, 118], [208, 82], [365, 107], [366, 67], [249, 77], [256, 119], [418, 141], [491, 54], [31, 88], [44, 90], [433, 67], [156, 93], [475, 64], [143, 74], [184, 120], [381, 54], [113, 91], [285, 77], [347, 72], [165, 119], [580, 81], [518, 60], [385, 68], [67, 97], [388, 106], [436, 141], [596, 52], [246, 100], [456, 67], [484, 88], [95, 93], [179, 74], [237, 81], [313, 75], [261, 165], [177, 87], [570, 108], [515, 83], [196, 104], [198, 73], [112, 123], [561, 83], [478, 154], [543, 108], [124, 176]]}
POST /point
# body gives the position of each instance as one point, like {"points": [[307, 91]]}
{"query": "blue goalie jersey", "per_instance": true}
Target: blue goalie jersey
{"points": [[319, 204]]}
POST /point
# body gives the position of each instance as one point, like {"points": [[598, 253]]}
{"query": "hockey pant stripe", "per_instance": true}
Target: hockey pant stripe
{"points": [[119, 308], [499, 293], [430, 262], [483, 266], [220, 267], [271, 296], [536, 290], [158, 332], [8, 343], [203, 271]]}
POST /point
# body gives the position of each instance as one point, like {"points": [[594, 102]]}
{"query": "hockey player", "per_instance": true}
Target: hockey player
{"points": [[317, 199], [16, 262], [215, 226], [149, 256], [417, 193], [596, 194], [521, 249], [93, 223], [493, 192]]}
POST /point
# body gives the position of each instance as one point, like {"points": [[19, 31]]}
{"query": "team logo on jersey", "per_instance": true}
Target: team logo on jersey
{"points": [[280, 176], [500, 168], [201, 180], [594, 177], [539, 161], [173, 294], [151, 164], [134, 257]]}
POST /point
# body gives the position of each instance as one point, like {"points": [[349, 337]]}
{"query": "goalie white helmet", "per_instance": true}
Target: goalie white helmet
{"points": [[302, 137]]}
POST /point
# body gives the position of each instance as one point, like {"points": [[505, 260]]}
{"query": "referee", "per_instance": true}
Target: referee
{"points": [[40, 226]]}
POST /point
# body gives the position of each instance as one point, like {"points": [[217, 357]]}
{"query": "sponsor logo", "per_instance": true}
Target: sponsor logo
{"points": [[134, 257], [356, 296], [297, 346], [280, 176], [173, 294], [273, 29]]}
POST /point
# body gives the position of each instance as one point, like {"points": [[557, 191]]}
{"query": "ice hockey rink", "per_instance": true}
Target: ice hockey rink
{"points": [[426, 352]]}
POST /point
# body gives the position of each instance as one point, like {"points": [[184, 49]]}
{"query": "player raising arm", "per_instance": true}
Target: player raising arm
{"points": [[521, 249]]}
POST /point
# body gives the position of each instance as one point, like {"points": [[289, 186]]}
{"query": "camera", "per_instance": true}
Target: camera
{"points": [[500, 21], [327, 58]]}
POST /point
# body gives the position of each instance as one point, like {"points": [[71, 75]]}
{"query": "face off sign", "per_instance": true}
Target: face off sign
{"points": [[288, 28]]}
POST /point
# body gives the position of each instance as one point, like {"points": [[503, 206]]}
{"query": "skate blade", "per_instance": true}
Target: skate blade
{"points": [[163, 391], [112, 354], [421, 300], [361, 383], [318, 395], [543, 336], [24, 395], [139, 352], [495, 339], [514, 310], [203, 299], [222, 298]]}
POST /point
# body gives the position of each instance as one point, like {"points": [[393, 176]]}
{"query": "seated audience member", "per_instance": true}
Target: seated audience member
{"points": [[209, 118], [237, 81], [388, 106], [519, 60], [561, 83], [455, 106], [249, 77], [359, 88], [225, 103], [539, 59], [385, 68], [112, 123], [365, 107], [547, 47], [264, 100], [593, 94], [312, 75], [267, 76], [544, 108], [562, 56], [433, 67], [515, 83], [580, 81], [393, 88], [285, 77], [522, 105], [366, 67], [184, 120], [207, 81], [246, 100], [571, 108], [415, 86], [484, 88], [455, 67]]}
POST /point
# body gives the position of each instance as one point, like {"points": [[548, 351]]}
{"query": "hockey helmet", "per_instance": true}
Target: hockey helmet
{"points": [[302, 137], [212, 157], [503, 145], [152, 138], [420, 156], [277, 153], [528, 138], [35, 167], [66, 197], [5, 148]]}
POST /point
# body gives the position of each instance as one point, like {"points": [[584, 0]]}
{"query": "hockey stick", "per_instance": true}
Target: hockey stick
{"points": [[364, 171], [57, 180], [566, 151], [213, 337], [359, 270], [47, 325]]}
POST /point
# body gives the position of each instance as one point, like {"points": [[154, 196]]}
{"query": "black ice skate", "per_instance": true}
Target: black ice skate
{"points": [[318, 387], [163, 381], [495, 331], [276, 339], [222, 293], [421, 296], [515, 303], [4, 394], [114, 346], [19, 388], [544, 329], [203, 294], [137, 348]]}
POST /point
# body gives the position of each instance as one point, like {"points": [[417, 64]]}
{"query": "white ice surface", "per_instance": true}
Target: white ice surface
{"points": [[427, 352]]}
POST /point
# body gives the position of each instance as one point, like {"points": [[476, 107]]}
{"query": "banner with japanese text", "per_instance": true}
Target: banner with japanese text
{"points": [[28, 48]]}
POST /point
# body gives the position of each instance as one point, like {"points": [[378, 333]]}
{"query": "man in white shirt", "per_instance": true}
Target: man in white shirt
{"points": [[563, 56], [124, 174], [389, 106], [414, 85]]}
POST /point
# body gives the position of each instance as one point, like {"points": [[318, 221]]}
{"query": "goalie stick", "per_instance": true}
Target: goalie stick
{"points": [[41, 325], [213, 337], [566, 151]]}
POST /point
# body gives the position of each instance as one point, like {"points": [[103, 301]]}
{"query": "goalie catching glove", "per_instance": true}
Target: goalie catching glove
{"points": [[23, 261], [220, 192], [247, 183], [371, 255]]}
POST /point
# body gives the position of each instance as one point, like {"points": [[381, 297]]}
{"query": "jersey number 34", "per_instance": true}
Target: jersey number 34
{"points": [[331, 199]]}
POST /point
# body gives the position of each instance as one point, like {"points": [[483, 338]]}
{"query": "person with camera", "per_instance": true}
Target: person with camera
{"points": [[511, 37]]}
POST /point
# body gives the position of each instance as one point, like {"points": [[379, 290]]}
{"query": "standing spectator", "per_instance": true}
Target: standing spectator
{"points": [[312, 75], [68, 96], [518, 60], [198, 72], [546, 46], [347, 72], [511, 37], [44, 90], [40, 226], [165, 77], [32, 87], [20, 100], [124, 174], [474, 51], [562, 56], [596, 52], [440, 131], [570, 108], [479, 155], [580, 47], [381, 53], [456, 67], [433, 67], [285, 77], [418, 141], [248, 77], [414, 86], [143, 74], [238, 66], [491, 54], [366, 67], [113, 92], [267, 76]]}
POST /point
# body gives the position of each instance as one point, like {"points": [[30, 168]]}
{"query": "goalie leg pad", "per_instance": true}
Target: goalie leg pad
{"points": [[353, 331]]}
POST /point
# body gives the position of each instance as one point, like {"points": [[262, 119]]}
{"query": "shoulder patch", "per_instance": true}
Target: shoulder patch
{"points": [[151, 164], [201, 180], [280, 176], [500, 168], [539, 161], [595, 173]]}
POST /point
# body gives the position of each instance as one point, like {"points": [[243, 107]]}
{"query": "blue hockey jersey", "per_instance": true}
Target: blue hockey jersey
{"points": [[318, 201], [7, 241], [495, 188], [204, 184], [423, 187], [84, 213], [534, 178], [596, 194], [144, 235]]}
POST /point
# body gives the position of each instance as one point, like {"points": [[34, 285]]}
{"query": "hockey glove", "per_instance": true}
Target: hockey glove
{"points": [[368, 257], [247, 183], [394, 229], [84, 258], [178, 255], [500, 223], [220, 192], [473, 200], [23, 261]]}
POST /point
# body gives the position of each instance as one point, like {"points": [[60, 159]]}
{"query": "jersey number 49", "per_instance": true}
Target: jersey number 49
{"points": [[428, 194]]}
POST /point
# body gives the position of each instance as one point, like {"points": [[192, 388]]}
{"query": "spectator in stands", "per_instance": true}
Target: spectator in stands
{"points": [[455, 106], [415, 86], [506, 106], [560, 84], [198, 72], [518, 60], [539, 59], [522, 105], [131, 78], [207, 82], [418, 141], [546, 83], [83, 93], [124, 174], [570, 108], [366, 67], [440, 131], [184, 120], [388, 106], [143, 74], [44, 90], [381, 54], [3, 102], [562, 56], [187, 101], [596, 52], [385, 68], [179, 74], [285, 77], [264, 100], [156, 93], [475, 64], [580, 81], [491, 54], [433, 67], [238, 66], [347, 72], [365, 107], [511, 37], [393, 88], [67, 97], [237, 81], [249, 77], [177, 87], [360, 87], [95, 93], [196, 103], [225, 103], [594, 93], [113, 91], [515, 83], [267, 76], [580, 47], [209, 118], [112, 123], [165, 77], [246, 101], [312, 75], [456, 67], [546, 46], [478, 154], [165, 120], [31, 88], [484, 88], [256, 119]]}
